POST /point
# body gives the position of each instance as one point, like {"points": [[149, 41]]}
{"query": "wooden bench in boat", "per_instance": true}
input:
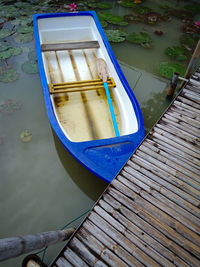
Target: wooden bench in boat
{"points": [[79, 86], [69, 46]]}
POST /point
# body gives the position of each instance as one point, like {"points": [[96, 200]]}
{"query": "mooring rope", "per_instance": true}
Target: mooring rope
{"points": [[66, 225]]}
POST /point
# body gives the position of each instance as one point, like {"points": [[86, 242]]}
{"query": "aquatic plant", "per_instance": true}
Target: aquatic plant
{"points": [[8, 75], [194, 8], [141, 38], [133, 18], [176, 52], [166, 69], [141, 9], [26, 136], [23, 38], [190, 27], [115, 36], [158, 32], [126, 3], [30, 66], [9, 51], [5, 33], [72, 7], [189, 41], [112, 19], [152, 18], [10, 106]]}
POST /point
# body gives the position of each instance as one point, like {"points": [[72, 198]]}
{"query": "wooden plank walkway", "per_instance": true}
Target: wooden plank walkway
{"points": [[149, 215]]}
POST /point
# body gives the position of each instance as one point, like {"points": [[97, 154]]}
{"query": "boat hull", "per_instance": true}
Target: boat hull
{"points": [[104, 154]]}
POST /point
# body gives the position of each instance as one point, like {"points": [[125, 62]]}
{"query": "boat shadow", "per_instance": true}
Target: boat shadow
{"points": [[89, 183]]}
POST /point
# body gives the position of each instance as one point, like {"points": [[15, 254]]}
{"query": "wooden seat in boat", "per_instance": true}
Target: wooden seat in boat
{"points": [[69, 46], [78, 86]]}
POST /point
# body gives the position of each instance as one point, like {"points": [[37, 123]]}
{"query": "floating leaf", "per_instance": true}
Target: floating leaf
{"points": [[139, 38], [166, 69], [133, 18], [141, 9], [22, 21], [23, 38], [176, 52], [117, 20], [10, 106], [10, 51], [25, 29], [32, 55], [26, 136], [189, 41], [30, 67], [126, 3], [104, 6], [8, 75], [115, 36], [5, 33]]}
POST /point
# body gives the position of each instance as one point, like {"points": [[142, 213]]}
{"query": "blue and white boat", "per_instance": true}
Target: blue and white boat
{"points": [[68, 45]]}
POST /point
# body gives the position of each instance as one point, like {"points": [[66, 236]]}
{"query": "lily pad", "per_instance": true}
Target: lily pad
{"points": [[166, 69], [139, 38], [189, 41], [126, 3], [141, 9], [26, 136], [117, 20], [8, 75], [32, 55], [133, 18], [30, 67], [5, 33], [102, 20], [25, 29], [104, 5], [115, 36], [10, 51], [176, 52], [23, 38], [10, 106]]}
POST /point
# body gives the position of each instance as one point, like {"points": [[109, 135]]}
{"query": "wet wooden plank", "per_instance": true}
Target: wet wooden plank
{"points": [[111, 244], [73, 258]]}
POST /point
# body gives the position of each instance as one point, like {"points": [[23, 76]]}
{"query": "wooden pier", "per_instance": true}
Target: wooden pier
{"points": [[150, 214]]}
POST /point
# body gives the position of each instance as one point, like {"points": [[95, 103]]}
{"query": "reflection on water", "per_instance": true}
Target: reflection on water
{"points": [[42, 187]]}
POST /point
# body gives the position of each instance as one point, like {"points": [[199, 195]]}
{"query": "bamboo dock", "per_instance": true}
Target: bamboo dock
{"points": [[149, 214]]}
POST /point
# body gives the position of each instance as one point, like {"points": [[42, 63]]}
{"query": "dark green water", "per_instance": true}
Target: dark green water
{"points": [[42, 187]]}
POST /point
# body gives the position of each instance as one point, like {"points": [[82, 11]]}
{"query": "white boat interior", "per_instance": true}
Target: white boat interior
{"points": [[83, 115]]}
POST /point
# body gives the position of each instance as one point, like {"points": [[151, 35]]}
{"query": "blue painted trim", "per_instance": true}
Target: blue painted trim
{"points": [[104, 157], [111, 110]]}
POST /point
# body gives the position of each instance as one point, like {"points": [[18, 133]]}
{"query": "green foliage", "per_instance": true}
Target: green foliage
{"points": [[4, 33], [26, 136], [141, 9], [115, 36], [176, 52], [166, 69], [30, 67], [23, 38], [8, 75], [139, 38], [126, 3], [116, 20], [7, 51]]}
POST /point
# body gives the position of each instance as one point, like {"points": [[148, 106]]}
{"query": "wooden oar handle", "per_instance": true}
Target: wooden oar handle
{"points": [[102, 69]]}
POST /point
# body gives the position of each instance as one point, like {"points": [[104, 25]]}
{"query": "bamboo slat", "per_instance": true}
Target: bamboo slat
{"points": [[150, 213]]}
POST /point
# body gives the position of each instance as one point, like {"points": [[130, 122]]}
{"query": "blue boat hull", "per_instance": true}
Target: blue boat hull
{"points": [[103, 157]]}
